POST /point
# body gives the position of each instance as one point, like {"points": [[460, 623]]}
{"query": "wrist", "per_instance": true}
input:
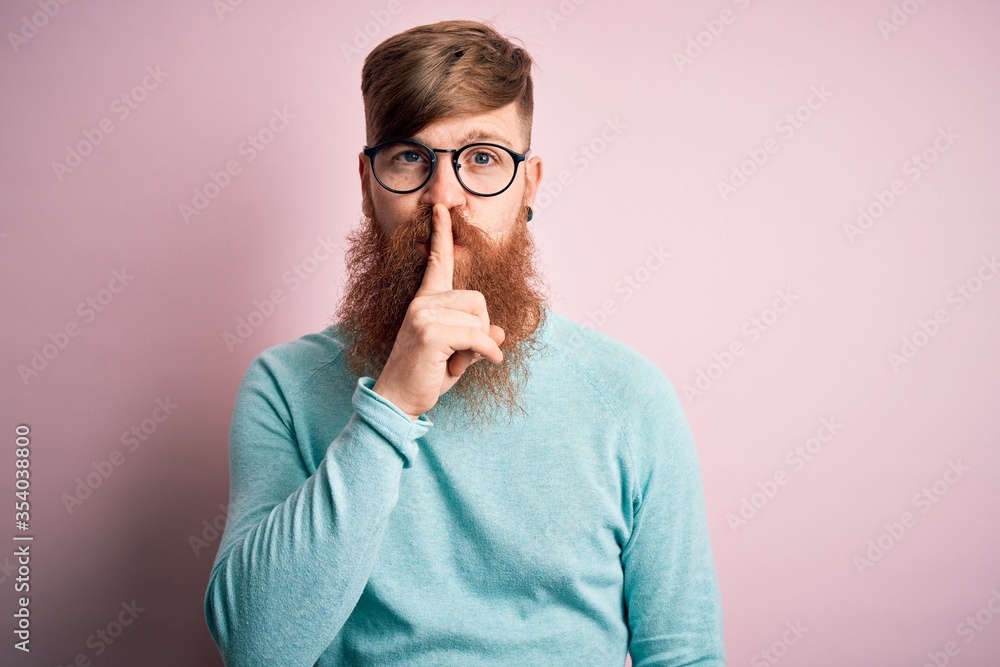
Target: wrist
{"points": [[389, 396]]}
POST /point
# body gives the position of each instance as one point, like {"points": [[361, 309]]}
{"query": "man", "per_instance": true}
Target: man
{"points": [[558, 519]]}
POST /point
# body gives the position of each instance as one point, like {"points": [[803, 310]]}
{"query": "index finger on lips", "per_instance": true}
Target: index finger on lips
{"points": [[440, 271]]}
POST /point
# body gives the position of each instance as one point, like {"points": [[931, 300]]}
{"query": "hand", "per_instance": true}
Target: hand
{"points": [[443, 333]]}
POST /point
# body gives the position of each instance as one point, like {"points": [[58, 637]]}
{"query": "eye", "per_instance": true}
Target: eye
{"points": [[481, 157], [409, 156]]}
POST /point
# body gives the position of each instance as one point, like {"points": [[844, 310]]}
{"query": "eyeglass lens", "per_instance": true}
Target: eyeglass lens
{"points": [[482, 168]]}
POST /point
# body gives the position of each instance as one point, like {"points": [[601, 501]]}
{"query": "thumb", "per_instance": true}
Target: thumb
{"points": [[460, 361], [497, 334]]}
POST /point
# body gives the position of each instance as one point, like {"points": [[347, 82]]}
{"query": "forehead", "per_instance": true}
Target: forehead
{"points": [[499, 126]]}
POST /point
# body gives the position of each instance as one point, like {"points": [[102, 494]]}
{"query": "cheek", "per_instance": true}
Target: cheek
{"points": [[391, 214], [501, 226]]}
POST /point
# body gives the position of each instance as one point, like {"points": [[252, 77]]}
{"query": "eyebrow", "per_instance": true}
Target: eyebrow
{"points": [[479, 134]]}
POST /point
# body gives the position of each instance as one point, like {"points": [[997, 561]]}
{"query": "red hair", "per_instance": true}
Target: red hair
{"points": [[443, 69]]}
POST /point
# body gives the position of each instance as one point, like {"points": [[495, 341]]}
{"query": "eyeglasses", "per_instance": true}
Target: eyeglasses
{"points": [[407, 165]]}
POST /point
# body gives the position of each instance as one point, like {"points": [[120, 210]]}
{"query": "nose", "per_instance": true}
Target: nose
{"points": [[444, 188]]}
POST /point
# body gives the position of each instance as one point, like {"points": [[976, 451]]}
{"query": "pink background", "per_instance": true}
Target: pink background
{"points": [[651, 181]]}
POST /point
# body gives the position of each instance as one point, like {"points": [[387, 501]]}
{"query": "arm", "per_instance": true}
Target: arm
{"points": [[298, 550], [671, 591]]}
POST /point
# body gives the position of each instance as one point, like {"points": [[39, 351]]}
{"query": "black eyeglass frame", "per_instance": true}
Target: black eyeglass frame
{"points": [[517, 157]]}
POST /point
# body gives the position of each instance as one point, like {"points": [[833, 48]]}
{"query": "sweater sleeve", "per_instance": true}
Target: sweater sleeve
{"points": [[298, 549], [672, 598]]}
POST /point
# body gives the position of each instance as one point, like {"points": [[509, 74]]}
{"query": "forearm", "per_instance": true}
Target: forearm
{"points": [[289, 579]]}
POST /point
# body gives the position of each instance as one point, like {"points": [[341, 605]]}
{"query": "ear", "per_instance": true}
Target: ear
{"points": [[532, 178], [362, 168]]}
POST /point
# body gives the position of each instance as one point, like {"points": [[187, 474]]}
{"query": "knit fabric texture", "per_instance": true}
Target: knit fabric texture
{"points": [[569, 536]]}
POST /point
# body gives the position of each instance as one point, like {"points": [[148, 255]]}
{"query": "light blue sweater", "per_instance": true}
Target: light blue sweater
{"points": [[356, 536]]}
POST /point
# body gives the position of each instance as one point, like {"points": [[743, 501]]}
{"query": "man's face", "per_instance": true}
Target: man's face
{"points": [[493, 215], [494, 254]]}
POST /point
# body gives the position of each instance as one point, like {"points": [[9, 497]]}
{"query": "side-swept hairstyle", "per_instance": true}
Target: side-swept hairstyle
{"points": [[434, 71]]}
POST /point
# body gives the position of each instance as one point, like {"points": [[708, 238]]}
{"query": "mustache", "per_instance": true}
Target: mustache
{"points": [[419, 225]]}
